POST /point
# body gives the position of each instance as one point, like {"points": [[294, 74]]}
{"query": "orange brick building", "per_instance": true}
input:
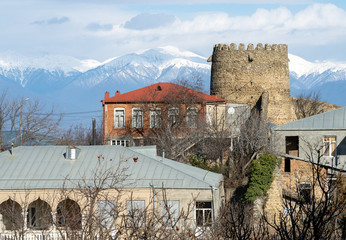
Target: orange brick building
{"points": [[131, 118]]}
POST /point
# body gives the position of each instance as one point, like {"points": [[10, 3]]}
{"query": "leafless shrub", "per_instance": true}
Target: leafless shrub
{"points": [[308, 104]]}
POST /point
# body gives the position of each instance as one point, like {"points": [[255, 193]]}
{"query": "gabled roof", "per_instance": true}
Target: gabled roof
{"points": [[162, 92], [46, 167], [332, 120]]}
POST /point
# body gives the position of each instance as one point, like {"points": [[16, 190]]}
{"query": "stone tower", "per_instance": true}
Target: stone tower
{"points": [[247, 76]]}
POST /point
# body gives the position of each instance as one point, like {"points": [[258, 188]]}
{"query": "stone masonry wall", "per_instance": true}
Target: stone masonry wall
{"points": [[241, 75]]}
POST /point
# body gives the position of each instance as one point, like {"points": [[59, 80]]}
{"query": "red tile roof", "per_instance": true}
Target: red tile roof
{"points": [[162, 92]]}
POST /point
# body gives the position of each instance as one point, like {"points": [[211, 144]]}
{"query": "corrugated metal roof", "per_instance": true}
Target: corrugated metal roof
{"points": [[211, 178], [46, 167], [332, 120]]}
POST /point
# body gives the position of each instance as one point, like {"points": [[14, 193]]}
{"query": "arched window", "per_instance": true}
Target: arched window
{"points": [[11, 215], [68, 214], [39, 215]]}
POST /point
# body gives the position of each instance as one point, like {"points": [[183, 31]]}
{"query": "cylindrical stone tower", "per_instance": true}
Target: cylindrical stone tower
{"points": [[241, 76]]}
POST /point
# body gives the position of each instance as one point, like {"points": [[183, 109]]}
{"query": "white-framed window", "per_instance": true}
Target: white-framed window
{"points": [[105, 213], [173, 116], [135, 210], [191, 117], [203, 213], [137, 118], [155, 118], [329, 146], [304, 191], [118, 142], [170, 213], [210, 115], [119, 117]]}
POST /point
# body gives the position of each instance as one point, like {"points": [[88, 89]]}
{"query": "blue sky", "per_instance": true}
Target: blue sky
{"points": [[102, 29]]}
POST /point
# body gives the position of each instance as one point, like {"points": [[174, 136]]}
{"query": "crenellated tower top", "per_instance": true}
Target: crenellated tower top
{"points": [[241, 75], [250, 47]]}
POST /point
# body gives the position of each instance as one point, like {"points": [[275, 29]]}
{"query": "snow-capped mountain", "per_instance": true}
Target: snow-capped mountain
{"points": [[153, 65], [79, 85], [328, 78], [45, 73]]}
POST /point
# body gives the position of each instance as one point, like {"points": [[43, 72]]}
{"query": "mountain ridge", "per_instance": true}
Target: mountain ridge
{"points": [[79, 85]]}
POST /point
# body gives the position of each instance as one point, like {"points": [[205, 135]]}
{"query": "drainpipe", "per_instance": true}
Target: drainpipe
{"points": [[213, 202], [163, 155], [154, 193]]}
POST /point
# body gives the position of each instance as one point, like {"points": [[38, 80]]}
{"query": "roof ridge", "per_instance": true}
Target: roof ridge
{"points": [[156, 93], [297, 123]]}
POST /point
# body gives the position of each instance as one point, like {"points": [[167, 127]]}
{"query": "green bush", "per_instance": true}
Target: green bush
{"points": [[261, 176], [197, 161]]}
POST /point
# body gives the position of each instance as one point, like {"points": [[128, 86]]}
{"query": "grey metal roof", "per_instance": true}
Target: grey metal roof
{"points": [[211, 178], [46, 167], [332, 120]]}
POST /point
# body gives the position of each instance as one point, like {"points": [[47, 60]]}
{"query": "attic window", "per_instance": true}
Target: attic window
{"points": [[159, 88]]}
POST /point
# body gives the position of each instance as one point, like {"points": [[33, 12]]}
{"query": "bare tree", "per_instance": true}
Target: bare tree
{"points": [[27, 121], [176, 120], [308, 104], [111, 212], [96, 196], [164, 222], [236, 222], [314, 209], [81, 135], [4, 114], [195, 82], [252, 140]]}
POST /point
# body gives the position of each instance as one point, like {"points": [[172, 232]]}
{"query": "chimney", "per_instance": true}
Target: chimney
{"points": [[106, 95], [72, 152], [117, 93]]}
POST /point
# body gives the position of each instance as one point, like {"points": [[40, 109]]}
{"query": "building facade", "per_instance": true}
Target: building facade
{"points": [[131, 117], [61, 192], [313, 153]]}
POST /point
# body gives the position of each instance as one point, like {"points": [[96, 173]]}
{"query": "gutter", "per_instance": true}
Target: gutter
{"points": [[154, 193], [213, 202]]}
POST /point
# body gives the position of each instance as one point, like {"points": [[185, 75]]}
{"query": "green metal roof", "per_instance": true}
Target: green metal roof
{"points": [[46, 167], [332, 120]]}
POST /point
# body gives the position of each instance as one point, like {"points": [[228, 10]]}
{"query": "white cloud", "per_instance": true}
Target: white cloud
{"points": [[149, 21], [318, 24], [99, 27], [102, 29], [317, 16]]}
